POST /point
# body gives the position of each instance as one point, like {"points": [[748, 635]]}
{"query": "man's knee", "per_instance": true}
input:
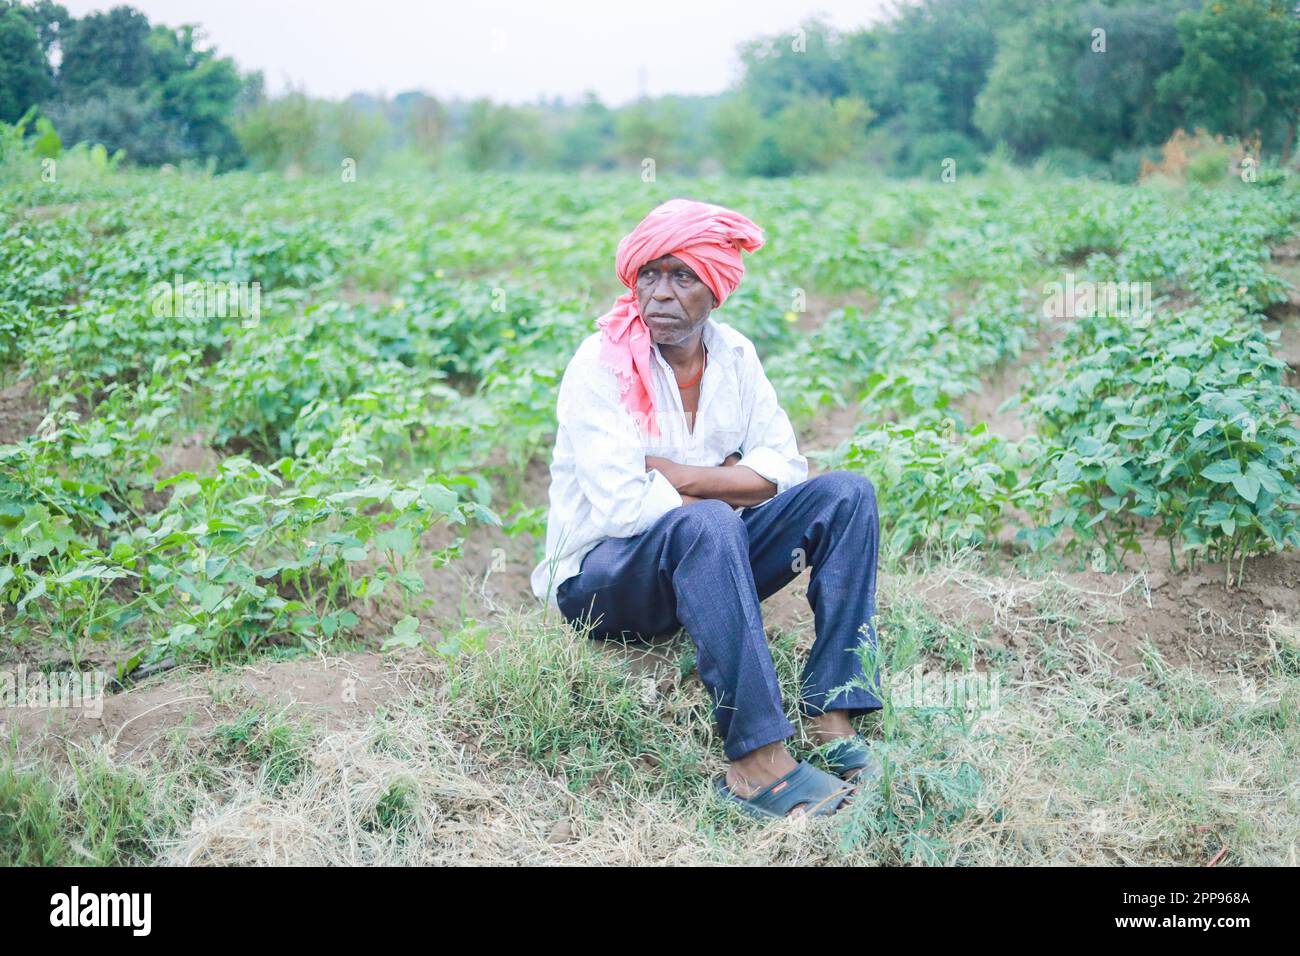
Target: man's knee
{"points": [[714, 520], [849, 487]]}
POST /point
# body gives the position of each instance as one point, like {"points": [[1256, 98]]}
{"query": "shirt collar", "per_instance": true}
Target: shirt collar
{"points": [[719, 351]]}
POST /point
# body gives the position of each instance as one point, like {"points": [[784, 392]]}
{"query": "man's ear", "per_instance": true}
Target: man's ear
{"points": [[715, 302]]}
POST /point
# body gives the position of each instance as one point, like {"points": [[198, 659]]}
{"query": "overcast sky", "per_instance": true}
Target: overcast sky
{"points": [[509, 51]]}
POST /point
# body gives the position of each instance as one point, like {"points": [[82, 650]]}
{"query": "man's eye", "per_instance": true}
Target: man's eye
{"points": [[685, 277]]}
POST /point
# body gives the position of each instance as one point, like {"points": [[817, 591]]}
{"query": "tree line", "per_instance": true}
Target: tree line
{"points": [[1092, 85]]}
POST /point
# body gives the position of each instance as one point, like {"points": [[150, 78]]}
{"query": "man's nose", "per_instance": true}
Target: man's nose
{"points": [[662, 288]]}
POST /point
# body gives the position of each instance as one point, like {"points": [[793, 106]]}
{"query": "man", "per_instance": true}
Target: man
{"points": [[679, 499]]}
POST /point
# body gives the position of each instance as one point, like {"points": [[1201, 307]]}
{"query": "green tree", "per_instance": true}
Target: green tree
{"points": [[1240, 73], [1082, 78], [25, 75], [487, 135], [280, 132], [197, 90], [586, 136], [422, 121], [649, 129], [501, 137], [738, 127], [105, 50], [1115, 91], [815, 133], [51, 20], [794, 65], [948, 46], [358, 129], [1029, 98], [120, 118]]}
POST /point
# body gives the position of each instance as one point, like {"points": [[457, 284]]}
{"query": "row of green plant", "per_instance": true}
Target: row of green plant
{"points": [[1170, 419]]}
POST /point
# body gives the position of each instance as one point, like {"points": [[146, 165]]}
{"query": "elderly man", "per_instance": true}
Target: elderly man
{"points": [[679, 499]]}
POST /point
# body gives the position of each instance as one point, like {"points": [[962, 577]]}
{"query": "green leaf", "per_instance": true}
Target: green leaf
{"points": [[440, 498], [397, 540], [179, 632], [1222, 471], [37, 591], [1088, 447], [1178, 377], [1247, 487], [211, 596], [411, 581], [1117, 479], [405, 633], [402, 499]]}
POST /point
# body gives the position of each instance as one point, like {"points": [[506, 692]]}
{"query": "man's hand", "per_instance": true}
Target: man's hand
{"points": [[666, 467], [739, 487]]}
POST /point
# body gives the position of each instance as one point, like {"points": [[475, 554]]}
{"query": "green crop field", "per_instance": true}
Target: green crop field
{"points": [[273, 459]]}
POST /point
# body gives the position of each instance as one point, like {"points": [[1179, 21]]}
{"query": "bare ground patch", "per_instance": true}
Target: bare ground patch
{"points": [[187, 453], [1190, 619], [1007, 381], [331, 692], [1286, 315], [21, 411]]}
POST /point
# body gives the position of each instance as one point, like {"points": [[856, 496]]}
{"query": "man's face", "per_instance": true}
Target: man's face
{"points": [[673, 300]]}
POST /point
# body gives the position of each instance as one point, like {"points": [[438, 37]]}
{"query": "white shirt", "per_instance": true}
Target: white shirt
{"points": [[599, 484]]}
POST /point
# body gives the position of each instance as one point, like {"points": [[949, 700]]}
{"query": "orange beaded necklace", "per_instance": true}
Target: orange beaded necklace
{"points": [[697, 378]]}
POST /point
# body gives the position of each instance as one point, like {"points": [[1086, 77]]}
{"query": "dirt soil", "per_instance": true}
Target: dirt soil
{"points": [[1190, 618], [328, 692], [1007, 380], [21, 412], [1286, 315]]}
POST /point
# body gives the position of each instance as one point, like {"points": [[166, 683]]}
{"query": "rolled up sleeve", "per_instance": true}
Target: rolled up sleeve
{"points": [[769, 447], [609, 463]]}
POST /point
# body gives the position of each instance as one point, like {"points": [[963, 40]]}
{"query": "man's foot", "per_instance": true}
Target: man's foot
{"points": [[829, 727], [804, 791], [759, 769]]}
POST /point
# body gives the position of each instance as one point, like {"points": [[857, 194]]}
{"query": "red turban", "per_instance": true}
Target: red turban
{"points": [[709, 240]]}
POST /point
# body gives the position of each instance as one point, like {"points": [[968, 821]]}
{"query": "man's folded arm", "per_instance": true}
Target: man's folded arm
{"points": [[608, 459]]}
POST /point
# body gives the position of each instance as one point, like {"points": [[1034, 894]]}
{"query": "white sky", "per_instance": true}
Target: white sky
{"points": [[509, 51]]}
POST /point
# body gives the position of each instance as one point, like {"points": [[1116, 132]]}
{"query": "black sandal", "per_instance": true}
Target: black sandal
{"points": [[820, 793]]}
